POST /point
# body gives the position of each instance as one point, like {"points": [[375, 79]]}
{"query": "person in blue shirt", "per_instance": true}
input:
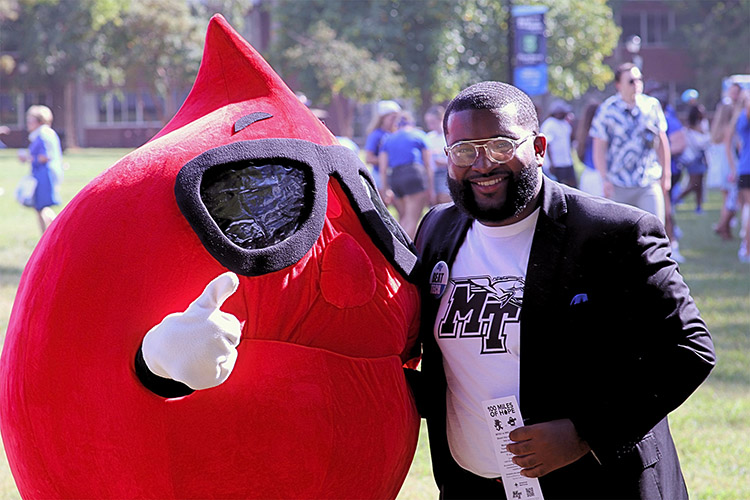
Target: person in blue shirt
{"points": [[677, 142], [45, 154], [383, 124], [406, 172], [742, 130]]}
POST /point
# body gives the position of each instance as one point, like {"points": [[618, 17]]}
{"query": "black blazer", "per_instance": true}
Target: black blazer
{"points": [[615, 364]]}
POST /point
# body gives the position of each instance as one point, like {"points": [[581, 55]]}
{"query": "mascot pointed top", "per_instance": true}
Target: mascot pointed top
{"points": [[231, 71]]}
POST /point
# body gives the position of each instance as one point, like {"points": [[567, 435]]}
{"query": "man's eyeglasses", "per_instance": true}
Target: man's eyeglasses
{"points": [[497, 149], [259, 206]]}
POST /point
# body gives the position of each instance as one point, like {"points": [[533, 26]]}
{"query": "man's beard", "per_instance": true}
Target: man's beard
{"points": [[520, 191]]}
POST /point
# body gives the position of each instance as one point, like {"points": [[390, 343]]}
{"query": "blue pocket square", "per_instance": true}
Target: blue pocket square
{"points": [[579, 299]]}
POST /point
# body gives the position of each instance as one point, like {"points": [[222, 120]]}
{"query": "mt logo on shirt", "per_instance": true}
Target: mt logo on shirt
{"points": [[483, 307]]}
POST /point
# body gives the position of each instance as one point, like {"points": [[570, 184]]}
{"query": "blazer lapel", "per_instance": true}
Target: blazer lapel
{"points": [[449, 245], [541, 285], [546, 248]]}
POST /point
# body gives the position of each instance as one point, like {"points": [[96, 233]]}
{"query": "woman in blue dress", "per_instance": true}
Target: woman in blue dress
{"points": [[45, 154]]}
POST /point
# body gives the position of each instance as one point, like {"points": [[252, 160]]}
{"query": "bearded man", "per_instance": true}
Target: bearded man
{"points": [[568, 302]]}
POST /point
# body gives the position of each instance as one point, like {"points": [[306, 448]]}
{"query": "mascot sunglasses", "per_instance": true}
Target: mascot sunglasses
{"points": [[258, 206]]}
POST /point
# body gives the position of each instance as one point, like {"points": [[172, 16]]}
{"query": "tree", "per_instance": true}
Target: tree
{"points": [[407, 32], [444, 45], [50, 41], [152, 44], [717, 37], [473, 46], [343, 73], [580, 34], [155, 45]]}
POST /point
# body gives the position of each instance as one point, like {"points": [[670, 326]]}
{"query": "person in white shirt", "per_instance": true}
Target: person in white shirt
{"points": [[631, 149], [694, 156], [559, 134]]}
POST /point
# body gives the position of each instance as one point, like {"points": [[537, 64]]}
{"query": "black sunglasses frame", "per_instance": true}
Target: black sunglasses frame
{"points": [[318, 163]]}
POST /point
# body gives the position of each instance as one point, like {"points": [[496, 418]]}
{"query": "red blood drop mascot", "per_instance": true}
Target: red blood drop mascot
{"points": [[243, 202]]}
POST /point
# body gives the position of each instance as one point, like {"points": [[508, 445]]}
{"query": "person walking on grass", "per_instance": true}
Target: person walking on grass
{"points": [[631, 148], [742, 130], [45, 156], [406, 172], [694, 156]]}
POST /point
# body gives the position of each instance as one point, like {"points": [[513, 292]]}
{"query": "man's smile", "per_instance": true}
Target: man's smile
{"points": [[489, 184]]}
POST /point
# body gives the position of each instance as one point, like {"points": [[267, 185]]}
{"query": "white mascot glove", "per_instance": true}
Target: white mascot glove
{"points": [[197, 347]]}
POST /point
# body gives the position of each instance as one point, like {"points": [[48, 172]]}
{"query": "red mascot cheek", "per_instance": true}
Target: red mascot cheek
{"points": [[317, 405], [357, 286]]}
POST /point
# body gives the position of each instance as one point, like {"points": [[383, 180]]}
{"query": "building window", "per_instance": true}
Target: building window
{"points": [[32, 98], [631, 25], [127, 108], [654, 28], [150, 109], [131, 108], [116, 109], [13, 107], [102, 108], [657, 28], [8, 110]]}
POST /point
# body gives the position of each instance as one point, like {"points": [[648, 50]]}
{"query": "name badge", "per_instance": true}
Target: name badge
{"points": [[439, 279]]}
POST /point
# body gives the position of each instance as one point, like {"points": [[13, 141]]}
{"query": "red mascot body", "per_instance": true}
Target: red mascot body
{"points": [[245, 179]]}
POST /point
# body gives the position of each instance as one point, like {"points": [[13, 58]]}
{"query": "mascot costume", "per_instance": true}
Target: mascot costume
{"points": [[224, 313]]}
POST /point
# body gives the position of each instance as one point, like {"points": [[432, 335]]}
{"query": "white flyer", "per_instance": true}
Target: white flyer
{"points": [[502, 416]]}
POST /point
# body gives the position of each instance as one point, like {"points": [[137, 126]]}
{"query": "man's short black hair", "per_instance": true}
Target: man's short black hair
{"points": [[494, 95], [623, 68]]}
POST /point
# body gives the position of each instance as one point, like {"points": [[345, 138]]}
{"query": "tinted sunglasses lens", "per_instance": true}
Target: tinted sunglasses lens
{"points": [[500, 150], [255, 205], [463, 155]]}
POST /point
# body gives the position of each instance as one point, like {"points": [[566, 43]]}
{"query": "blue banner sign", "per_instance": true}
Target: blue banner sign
{"points": [[530, 49]]}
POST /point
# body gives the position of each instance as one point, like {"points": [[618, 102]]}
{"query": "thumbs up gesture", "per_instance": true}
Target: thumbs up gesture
{"points": [[197, 347]]}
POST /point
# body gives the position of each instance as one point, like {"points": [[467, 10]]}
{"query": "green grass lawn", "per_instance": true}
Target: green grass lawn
{"points": [[712, 429]]}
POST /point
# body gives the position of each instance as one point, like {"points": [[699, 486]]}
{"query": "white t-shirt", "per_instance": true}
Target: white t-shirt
{"points": [[697, 142], [478, 331], [557, 133]]}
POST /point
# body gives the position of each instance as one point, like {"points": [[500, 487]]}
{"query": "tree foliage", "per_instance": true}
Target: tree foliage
{"points": [[389, 30], [49, 43], [341, 69], [473, 46], [155, 45], [334, 49], [51, 40], [716, 34], [445, 45], [580, 34]]}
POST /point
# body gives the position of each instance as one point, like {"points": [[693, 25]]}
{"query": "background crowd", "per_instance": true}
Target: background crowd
{"points": [[638, 131]]}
